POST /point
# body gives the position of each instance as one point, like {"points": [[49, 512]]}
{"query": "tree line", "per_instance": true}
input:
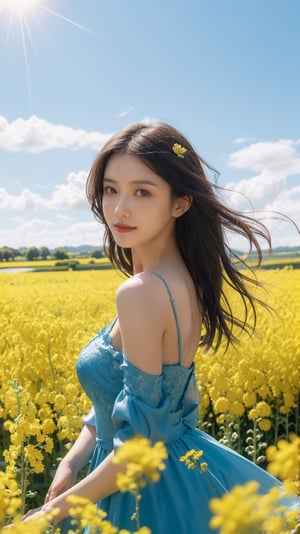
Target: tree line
{"points": [[43, 253]]}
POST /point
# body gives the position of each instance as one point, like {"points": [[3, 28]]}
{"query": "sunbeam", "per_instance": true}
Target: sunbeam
{"points": [[66, 19], [19, 21], [22, 26]]}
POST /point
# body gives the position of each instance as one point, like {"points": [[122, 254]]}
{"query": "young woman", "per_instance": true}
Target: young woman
{"points": [[165, 228]]}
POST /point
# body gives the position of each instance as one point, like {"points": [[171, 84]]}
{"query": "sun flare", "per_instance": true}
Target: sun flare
{"points": [[21, 17], [19, 7]]}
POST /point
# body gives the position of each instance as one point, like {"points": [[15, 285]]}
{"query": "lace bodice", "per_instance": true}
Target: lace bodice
{"points": [[122, 394]]}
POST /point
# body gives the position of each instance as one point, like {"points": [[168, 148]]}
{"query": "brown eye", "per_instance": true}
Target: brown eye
{"points": [[109, 190], [143, 193]]}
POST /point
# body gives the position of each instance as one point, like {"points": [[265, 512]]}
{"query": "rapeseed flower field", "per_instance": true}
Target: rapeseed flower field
{"points": [[249, 396]]}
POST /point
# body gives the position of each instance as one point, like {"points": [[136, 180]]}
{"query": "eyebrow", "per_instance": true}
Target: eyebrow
{"points": [[134, 182]]}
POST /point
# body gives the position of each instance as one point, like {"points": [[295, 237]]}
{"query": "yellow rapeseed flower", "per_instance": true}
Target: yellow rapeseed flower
{"points": [[263, 409], [48, 426], [85, 513], [35, 458], [10, 501], [284, 462], [236, 408], [191, 458], [264, 424], [49, 445], [221, 405], [253, 414], [249, 399], [244, 510], [143, 462]]}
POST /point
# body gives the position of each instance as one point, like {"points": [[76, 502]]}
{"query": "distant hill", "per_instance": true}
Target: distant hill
{"points": [[286, 249], [80, 248], [282, 251], [278, 250]]}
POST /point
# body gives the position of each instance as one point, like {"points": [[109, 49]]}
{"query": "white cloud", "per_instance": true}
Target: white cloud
{"points": [[26, 200], [286, 203], [37, 135], [64, 218], [150, 120], [240, 140], [125, 113], [280, 157], [39, 232], [72, 194], [254, 192], [67, 195], [84, 233], [268, 192], [20, 232], [18, 219]]}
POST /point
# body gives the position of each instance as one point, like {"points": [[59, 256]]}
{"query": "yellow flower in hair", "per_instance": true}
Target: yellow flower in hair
{"points": [[179, 150]]}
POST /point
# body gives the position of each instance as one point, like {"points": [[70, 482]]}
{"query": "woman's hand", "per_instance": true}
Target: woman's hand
{"points": [[31, 514], [64, 478], [34, 513], [77, 457]]}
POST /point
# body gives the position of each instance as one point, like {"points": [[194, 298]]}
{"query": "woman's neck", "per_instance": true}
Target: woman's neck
{"points": [[150, 260]]}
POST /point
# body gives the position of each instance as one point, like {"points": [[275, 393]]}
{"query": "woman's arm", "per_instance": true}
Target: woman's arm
{"points": [[77, 457], [95, 486]]}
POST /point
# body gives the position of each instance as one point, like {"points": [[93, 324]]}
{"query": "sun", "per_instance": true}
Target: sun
{"points": [[19, 7], [20, 17]]}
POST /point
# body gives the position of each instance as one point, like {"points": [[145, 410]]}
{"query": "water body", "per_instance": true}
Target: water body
{"points": [[16, 269]]}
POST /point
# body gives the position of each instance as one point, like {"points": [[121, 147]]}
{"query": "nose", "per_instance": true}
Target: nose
{"points": [[122, 207]]}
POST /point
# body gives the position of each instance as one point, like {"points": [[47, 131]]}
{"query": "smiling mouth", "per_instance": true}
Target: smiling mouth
{"points": [[123, 228]]}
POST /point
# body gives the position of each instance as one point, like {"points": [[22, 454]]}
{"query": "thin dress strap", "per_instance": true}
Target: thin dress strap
{"points": [[112, 324], [175, 314]]}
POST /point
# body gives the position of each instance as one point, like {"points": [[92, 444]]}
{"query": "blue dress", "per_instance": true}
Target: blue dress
{"points": [[128, 401]]}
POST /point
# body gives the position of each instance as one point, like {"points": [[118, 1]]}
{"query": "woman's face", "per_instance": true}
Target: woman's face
{"points": [[137, 204]]}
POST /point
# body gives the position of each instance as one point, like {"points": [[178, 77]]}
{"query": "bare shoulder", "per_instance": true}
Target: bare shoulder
{"points": [[140, 319], [141, 287]]}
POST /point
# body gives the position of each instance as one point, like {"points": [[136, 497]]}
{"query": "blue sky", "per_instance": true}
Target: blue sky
{"points": [[225, 72]]}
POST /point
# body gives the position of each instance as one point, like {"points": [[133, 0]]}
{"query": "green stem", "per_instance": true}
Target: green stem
{"points": [[238, 429], [276, 421], [23, 463], [24, 478], [297, 417], [254, 455], [50, 363], [212, 487], [227, 434], [137, 510], [22, 481], [287, 426]]}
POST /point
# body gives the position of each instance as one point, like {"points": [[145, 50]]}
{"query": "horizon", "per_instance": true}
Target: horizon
{"points": [[86, 248]]}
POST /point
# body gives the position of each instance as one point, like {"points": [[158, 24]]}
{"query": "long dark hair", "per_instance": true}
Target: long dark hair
{"points": [[199, 232]]}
